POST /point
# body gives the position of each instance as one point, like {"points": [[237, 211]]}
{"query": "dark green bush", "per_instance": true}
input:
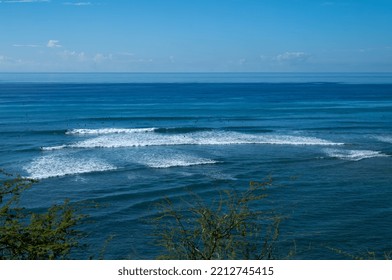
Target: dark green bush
{"points": [[226, 229], [34, 236]]}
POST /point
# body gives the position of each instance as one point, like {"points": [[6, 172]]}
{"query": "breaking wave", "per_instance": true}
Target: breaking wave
{"points": [[353, 155], [54, 148], [386, 139], [102, 131], [177, 161], [118, 139], [57, 166]]}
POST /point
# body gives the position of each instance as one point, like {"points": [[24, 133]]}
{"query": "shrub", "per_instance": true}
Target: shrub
{"points": [[225, 229], [33, 236]]}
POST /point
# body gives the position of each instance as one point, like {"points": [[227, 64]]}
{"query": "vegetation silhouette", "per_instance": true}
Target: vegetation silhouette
{"points": [[26, 235], [229, 228]]}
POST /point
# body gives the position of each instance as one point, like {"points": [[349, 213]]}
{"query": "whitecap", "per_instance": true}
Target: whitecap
{"points": [[59, 165], [353, 155], [195, 138], [386, 139], [53, 148], [176, 161], [103, 131]]}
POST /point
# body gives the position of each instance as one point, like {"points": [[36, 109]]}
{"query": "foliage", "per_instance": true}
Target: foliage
{"points": [[33, 236], [367, 255], [227, 229]]}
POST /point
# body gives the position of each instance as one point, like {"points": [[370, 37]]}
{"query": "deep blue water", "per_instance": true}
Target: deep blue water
{"points": [[326, 140]]}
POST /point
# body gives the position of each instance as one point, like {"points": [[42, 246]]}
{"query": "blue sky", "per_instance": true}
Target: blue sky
{"points": [[196, 36]]}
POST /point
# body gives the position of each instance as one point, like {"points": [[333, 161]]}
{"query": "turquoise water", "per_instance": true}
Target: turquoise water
{"points": [[128, 141]]}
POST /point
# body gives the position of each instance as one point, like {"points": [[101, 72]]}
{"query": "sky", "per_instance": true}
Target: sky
{"points": [[196, 36]]}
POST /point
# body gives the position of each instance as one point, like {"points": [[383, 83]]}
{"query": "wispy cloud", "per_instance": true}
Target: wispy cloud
{"points": [[126, 54], [26, 46], [89, 57], [80, 56], [129, 57], [53, 44], [99, 57], [77, 3], [8, 60], [242, 61], [3, 58], [292, 57]]}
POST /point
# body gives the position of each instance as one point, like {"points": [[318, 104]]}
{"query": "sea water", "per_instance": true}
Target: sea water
{"points": [[128, 141]]}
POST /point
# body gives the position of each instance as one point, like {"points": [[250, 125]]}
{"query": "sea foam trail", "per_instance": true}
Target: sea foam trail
{"points": [[386, 139], [353, 155], [177, 161], [56, 166], [102, 131], [54, 148], [195, 138]]}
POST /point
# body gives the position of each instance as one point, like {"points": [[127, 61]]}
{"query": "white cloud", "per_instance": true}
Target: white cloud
{"points": [[128, 57], [26, 46], [80, 56], [53, 44], [292, 57], [83, 57], [242, 61], [126, 54], [77, 3], [4, 58], [8, 60], [99, 57], [263, 57]]}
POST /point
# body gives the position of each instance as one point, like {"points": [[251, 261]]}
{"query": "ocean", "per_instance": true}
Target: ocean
{"points": [[127, 141]]}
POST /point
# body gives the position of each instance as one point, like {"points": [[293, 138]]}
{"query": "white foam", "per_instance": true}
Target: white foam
{"points": [[386, 139], [196, 138], [103, 131], [176, 161], [353, 155], [57, 165], [53, 148]]}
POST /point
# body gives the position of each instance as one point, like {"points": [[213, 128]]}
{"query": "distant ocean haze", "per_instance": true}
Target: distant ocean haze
{"points": [[130, 144]]}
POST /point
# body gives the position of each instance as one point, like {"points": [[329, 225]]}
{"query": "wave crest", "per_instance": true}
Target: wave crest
{"points": [[57, 166], [177, 162], [123, 140], [103, 131], [354, 155], [386, 139]]}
